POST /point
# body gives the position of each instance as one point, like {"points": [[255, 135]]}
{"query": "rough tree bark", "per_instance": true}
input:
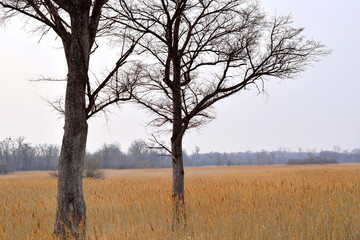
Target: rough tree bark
{"points": [[179, 210], [71, 207]]}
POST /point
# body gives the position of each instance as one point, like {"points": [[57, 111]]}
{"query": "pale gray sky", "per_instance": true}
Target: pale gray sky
{"points": [[317, 110]]}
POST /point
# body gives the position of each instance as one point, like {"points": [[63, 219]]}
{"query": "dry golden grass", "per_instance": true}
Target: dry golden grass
{"points": [[259, 202]]}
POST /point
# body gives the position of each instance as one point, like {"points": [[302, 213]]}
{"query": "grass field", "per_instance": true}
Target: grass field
{"points": [[246, 202]]}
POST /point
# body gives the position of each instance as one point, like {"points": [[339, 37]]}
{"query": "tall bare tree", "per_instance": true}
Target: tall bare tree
{"points": [[78, 24], [202, 51]]}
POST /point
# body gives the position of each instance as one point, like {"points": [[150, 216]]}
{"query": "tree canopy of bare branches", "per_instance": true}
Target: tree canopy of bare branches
{"points": [[201, 51]]}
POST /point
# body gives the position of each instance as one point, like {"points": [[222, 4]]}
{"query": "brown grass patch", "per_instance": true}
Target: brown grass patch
{"points": [[250, 202]]}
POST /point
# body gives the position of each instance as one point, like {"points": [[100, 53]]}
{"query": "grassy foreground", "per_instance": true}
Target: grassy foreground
{"points": [[247, 202]]}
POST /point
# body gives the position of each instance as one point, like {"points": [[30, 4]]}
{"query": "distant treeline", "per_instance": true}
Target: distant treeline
{"points": [[280, 156], [19, 155]]}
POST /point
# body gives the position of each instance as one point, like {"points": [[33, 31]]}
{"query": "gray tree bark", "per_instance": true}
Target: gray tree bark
{"points": [[71, 207], [179, 210]]}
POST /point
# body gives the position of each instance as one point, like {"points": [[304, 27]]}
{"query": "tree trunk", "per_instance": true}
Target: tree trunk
{"points": [[71, 207], [179, 210]]}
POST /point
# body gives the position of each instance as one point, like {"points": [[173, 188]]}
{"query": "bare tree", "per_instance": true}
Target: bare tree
{"points": [[48, 154], [201, 51], [109, 155], [77, 24], [27, 156], [138, 152], [16, 152], [5, 150]]}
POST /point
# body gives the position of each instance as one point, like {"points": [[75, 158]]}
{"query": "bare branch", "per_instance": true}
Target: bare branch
{"points": [[159, 144], [57, 104], [47, 79], [208, 50]]}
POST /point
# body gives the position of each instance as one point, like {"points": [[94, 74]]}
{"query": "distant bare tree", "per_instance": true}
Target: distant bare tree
{"points": [[49, 154], [138, 152], [109, 155], [77, 24], [196, 153], [16, 151], [27, 156], [202, 51], [5, 150], [137, 148]]}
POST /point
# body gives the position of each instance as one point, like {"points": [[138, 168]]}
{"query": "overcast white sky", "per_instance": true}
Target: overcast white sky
{"points": [[317, 110]]}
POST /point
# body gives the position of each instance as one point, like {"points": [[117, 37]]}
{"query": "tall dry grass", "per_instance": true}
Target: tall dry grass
{"points": [[266, 202]]}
